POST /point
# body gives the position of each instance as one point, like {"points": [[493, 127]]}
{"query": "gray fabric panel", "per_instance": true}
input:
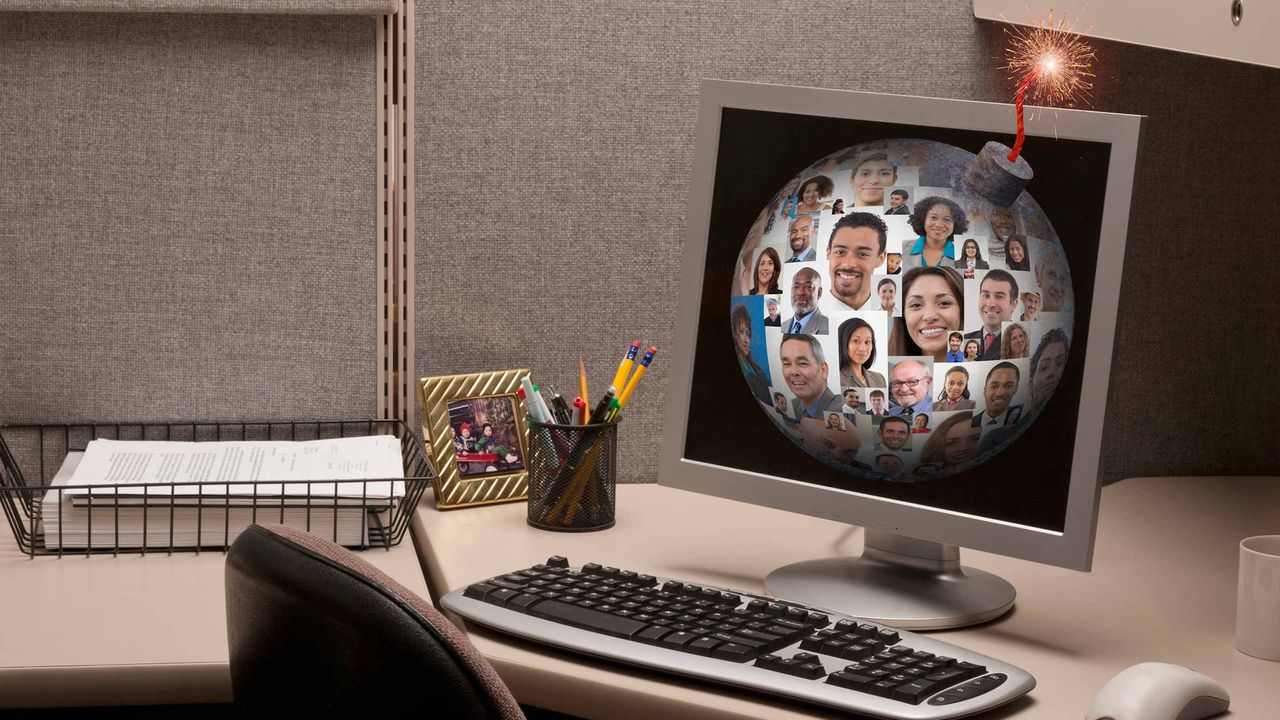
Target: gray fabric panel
{"points": [[187, 216], [284, 7], [554, 148]]}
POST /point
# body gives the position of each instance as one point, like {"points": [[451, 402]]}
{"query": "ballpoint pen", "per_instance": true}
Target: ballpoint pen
{"points": [[598, 415]]}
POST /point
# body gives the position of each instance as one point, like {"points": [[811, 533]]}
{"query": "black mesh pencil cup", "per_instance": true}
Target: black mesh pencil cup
{"points": [[573, 476]]}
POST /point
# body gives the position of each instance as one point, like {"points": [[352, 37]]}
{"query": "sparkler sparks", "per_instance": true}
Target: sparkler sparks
{"points": [[1051, 63]]}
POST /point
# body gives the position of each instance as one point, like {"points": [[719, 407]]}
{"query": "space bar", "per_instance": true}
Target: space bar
{"points": [[587, 619]]}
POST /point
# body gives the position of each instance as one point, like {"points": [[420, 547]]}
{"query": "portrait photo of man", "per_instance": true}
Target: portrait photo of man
{"points": [[998, 392], [997, 299], [806, 290], [800, 238], [804, 369], [854, 252], [898, 204], [910, 384]]}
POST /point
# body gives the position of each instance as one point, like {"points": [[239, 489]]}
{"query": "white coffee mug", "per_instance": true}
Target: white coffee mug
{"points": [[1258, 598]]}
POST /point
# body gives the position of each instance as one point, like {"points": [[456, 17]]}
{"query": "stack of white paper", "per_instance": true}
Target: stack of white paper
{"points": [[131, 499]]}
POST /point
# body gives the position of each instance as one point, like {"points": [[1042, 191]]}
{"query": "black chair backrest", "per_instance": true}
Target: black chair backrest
{"points": [[312, 627]]}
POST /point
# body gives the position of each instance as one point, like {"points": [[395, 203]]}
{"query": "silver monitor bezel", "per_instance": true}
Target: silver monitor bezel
{"points": [[1073, 547]]}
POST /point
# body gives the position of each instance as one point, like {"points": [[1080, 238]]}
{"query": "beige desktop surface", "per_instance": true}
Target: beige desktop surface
{"points": [[1162, 589], [133, 629]]}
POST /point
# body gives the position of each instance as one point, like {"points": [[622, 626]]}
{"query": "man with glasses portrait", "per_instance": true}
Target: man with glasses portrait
{"points": [[909, 386]]}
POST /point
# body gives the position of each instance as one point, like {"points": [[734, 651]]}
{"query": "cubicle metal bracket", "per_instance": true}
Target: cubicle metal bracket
{"points": [[395, 214]]}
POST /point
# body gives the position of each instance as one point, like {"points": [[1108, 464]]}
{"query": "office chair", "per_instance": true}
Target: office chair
{"points": [[311, 627]]}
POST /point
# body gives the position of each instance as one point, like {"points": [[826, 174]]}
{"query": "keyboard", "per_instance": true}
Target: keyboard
{"points": [[740, 639]]}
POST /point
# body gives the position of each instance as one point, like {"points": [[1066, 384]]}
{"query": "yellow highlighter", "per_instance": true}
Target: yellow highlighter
{"points": [[624, 367], [634, 380]]}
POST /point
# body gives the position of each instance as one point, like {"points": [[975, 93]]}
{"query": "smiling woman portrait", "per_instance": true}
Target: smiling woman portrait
{"points": [[936, 221], [932, 306], [857, 353]]}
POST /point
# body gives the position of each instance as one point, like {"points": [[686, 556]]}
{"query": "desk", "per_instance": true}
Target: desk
{"points": [[1162, 589], [127, 630]]}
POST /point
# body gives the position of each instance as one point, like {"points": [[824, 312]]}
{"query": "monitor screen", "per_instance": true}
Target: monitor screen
{"points": [[869, 323]]}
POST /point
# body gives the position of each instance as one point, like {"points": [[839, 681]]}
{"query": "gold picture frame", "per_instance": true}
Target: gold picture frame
{"points": [[484, 465]]}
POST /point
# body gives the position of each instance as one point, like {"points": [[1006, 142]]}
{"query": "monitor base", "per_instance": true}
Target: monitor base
{"points": [[898, 581]]}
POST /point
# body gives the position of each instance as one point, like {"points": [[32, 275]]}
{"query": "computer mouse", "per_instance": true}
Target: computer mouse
{"points": [[1159, 691]]}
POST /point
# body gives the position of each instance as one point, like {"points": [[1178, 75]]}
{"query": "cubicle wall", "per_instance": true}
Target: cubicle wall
{"points": [[554, 150], [188, 211]]}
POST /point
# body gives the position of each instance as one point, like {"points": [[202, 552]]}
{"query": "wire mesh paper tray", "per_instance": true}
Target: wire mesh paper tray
{"points": [[189, 519]]}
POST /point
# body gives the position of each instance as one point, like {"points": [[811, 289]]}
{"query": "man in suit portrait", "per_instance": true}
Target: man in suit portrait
{"points": [[804, 368], [876, 411], [997, 392], [898, 203], [806, 289], [852, 401], [997, 298], [800, 235]]}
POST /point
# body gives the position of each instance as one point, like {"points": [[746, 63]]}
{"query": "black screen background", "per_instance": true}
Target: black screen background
{"points": [[1028, 482]]}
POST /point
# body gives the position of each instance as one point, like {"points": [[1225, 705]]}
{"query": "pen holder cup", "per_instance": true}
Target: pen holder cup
{"points": [[573, 476]]}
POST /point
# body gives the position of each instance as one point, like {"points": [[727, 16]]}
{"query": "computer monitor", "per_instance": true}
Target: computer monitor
{"points": [[885, 320]]}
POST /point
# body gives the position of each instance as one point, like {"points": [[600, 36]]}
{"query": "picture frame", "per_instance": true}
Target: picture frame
{"points": [[475, 427]]}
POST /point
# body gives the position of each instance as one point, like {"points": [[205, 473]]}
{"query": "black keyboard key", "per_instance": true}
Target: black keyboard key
{"points": [[646, 581], [867, 630], [805, 657], [478, 590], [735, 652], [882, 688], [787, 665], [915, 672], [776, 609], [736, 639], [781, 631], [522, 602], [921, 656], [850, 680], [677, 640], [768, 661], [930, 666], [810, 671], [947, 678], [856, 651], [796, 614], [832, 647], [757, 605], [970, 668], [914, 692], [500, 596], [586, 618], [703, 645], [504, 583], [728, 598], [609, 571], [627, 575], [652, 634], [558, 561], [846, 626], [888, 637], [815, 619], [812, 642]]}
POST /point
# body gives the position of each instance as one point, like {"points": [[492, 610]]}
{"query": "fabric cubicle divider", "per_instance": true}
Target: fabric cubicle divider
{"points": [[188, 208], [272, 7]]}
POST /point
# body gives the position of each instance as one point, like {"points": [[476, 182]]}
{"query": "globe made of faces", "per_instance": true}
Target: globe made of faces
{"points": [[1012, 303]]}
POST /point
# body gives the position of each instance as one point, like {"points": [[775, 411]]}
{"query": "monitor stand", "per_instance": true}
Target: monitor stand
{"points": [[899, 581]]}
